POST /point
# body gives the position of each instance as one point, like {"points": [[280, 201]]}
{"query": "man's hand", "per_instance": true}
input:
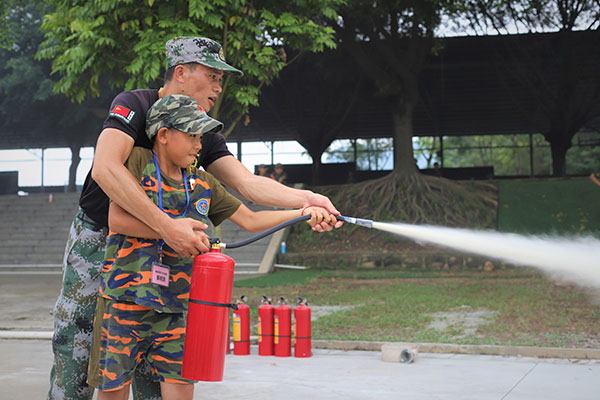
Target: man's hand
{"points": [[186, 236], [319, 200]]}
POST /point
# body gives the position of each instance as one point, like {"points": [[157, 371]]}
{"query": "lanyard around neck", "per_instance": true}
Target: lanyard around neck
{"points": [[187, 197], [187, 193]]}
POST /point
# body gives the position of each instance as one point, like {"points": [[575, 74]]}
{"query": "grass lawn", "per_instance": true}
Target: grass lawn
{"points": [[509, 307]]}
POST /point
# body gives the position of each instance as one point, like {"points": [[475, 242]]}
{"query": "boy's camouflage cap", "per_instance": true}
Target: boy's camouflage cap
{"points": [[182, 50], [180, 112]]}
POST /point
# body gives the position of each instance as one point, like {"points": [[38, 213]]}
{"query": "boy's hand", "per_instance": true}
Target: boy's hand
{"points": [[316, 199], [319, 217]]}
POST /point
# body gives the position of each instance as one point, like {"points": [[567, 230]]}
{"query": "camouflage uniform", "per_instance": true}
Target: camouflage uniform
{"points": [[74, 310], [74, 317], [142, 318]]}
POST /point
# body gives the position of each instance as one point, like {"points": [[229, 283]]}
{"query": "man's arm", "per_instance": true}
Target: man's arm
{"points": [[268, 192], [112, 150]]}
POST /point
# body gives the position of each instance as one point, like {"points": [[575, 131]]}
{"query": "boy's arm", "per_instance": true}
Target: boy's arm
{"points": [[261, 220]]}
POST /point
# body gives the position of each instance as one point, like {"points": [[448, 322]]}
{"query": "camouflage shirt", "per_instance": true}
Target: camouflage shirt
{"points": [[126, 274]]}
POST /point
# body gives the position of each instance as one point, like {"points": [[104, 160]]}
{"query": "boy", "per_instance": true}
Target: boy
{"points": [[139, 315]]}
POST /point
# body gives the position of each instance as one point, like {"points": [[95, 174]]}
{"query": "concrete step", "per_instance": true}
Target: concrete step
{"points": [[15, 242], [32, 258], [54, 234]]}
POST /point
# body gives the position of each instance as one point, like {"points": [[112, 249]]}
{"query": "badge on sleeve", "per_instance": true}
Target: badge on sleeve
{"points": [[122, 113], [202, 206]]}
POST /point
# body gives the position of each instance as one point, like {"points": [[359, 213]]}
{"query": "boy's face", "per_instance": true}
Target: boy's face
{"points": [[182, 147], [204, 85]]}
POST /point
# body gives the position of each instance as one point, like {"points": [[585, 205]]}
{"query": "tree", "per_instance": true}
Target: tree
{"points": [[124, 41], [390, 42], [6, 39], [565, 92], [27, 102]]}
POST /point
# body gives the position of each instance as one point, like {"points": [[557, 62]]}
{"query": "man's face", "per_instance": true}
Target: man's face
{"points": [[203, 84]]}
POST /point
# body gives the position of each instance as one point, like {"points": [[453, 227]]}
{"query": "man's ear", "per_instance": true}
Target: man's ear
{"points": [[179, 72], [162, 134]]}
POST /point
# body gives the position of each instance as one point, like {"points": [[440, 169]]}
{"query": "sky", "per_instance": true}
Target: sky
{"points": [[57, 161]]}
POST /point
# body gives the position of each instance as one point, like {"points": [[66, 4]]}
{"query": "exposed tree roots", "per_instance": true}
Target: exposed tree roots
{"points": [[418, 199]]}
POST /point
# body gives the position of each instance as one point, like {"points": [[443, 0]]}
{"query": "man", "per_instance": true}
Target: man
{"points": [[263, 170], [195, 67], [278, 174]]}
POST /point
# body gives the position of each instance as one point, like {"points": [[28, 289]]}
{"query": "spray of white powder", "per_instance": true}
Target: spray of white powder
{"points": [[576, 259]]}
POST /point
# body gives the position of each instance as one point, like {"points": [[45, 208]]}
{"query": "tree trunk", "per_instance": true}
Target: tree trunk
{"points": [[404, 159], [316, 170], [75, 159], [559, 157]]}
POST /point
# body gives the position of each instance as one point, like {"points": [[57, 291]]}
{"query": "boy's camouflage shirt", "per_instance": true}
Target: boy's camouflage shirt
{"points": [[127, 270]]}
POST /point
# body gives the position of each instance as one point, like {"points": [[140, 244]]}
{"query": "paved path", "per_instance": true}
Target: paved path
{"points": [[351, 375]]}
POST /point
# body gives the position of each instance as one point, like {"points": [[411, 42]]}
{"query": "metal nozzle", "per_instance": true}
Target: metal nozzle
{"points": [[367, 223]]}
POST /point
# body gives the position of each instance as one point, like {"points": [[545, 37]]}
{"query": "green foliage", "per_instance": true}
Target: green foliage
{"points": [[6, 34], [26, 82], [508, 154], [124, 40], [584, 156]]}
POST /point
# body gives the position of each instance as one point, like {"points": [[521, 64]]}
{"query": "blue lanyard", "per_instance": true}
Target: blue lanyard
{"points": [[187, 198]]}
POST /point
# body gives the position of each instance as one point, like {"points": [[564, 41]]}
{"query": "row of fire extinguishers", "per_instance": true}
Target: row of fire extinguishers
{"points": [[277, 332]]}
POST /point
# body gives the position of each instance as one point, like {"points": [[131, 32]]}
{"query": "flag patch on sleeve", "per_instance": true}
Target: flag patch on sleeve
{"points": [[123, 113]]}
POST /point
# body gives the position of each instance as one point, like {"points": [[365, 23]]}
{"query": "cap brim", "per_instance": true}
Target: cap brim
{"points": [[223, 67], [211, 126]]}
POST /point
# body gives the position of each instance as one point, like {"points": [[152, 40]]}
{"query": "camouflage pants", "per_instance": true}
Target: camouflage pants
{"points": [[74, 319]]}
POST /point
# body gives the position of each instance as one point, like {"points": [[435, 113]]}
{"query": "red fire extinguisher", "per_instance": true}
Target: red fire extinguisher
{"points": [[302, 335], [265, 328], [241, 328], [282, 326], [208, 316]]}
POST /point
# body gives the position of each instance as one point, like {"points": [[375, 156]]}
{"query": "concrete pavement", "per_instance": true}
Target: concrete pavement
{"points": [[26, 301], [347, 375]]}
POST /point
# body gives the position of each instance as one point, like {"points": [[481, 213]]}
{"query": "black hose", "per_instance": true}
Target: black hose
{"points": [[363, 222], [265, 233]]}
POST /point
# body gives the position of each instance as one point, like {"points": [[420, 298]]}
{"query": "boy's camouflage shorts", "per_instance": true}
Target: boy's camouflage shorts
{"points": [[125, 333]]}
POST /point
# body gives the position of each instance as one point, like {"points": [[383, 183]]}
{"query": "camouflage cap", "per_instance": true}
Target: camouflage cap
{"points": [[180, 112], [182, 50]]}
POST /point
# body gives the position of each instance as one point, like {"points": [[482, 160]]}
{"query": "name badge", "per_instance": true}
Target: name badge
{"points": [[160, 274]]}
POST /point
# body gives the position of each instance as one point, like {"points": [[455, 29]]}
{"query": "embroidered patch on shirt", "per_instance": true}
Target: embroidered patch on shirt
{"points": [[202, 206], [123, 113]]}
